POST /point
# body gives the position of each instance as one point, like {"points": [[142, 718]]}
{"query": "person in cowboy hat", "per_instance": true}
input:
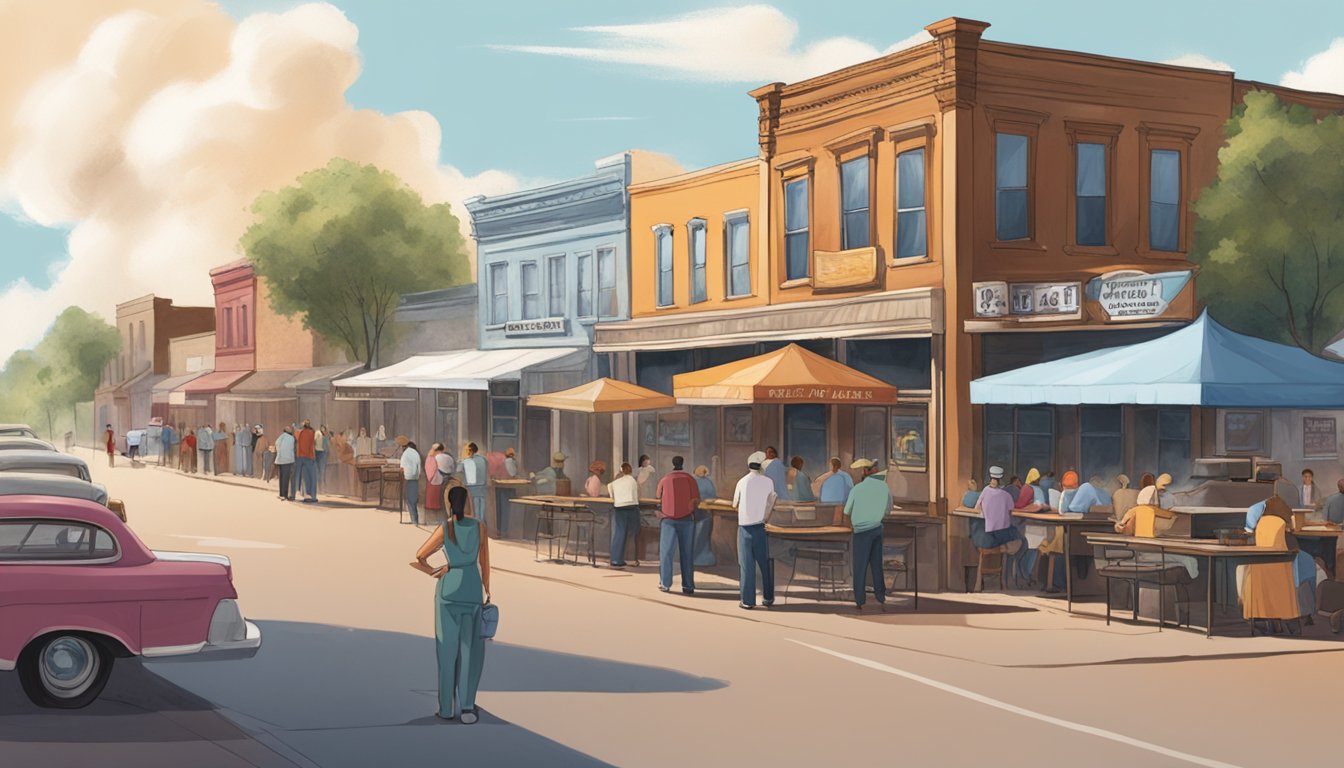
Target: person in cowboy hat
{"points": [[545, 479], [867, 505]]}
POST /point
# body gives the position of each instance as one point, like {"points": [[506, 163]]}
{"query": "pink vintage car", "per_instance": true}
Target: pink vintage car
{"points": [[78, 589]]}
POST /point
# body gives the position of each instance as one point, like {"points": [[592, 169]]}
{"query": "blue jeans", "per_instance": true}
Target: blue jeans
{"points": [[1025, 559], [308, 476], [753, 553], [676, 536], [477, 494], [624, 526], [207, 465], [321, 470], [286, 481], [412, 495], [704, 534], [868, 557]]}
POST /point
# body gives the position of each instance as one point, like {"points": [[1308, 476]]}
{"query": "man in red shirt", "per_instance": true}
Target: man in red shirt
{"points": [[188, 461], [679, 494], [305, 455]]}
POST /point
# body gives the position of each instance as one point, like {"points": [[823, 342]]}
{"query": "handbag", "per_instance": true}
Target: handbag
{"points": [[489, 620]]}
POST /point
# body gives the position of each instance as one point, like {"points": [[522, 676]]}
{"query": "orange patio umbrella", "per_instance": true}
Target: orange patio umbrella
{"points": [[788, 375], [603, 396]]}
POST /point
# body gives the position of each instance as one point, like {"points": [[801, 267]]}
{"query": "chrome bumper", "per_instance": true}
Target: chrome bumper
{"points": [[224, 650]]}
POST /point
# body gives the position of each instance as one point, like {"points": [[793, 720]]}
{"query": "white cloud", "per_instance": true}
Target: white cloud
{"points": [[1322, 72], [149, 126], [754, 43], [1199, 61]]}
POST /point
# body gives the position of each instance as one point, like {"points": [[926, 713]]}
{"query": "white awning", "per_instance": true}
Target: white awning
{"points": [[468, 369]]}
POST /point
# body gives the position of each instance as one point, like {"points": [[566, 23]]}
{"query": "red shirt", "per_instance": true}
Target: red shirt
{"points": [[676, 490], [306, 444], [190, 440]]}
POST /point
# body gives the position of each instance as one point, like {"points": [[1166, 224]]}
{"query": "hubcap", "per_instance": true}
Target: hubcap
{"points": [[69, 666]]}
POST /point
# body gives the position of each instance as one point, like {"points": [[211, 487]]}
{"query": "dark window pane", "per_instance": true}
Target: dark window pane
{"points": [[738, 241], [854, 184], [1033, 451], [910, 179], [1163, 227], [1091, 181], [911, 236], [1010, 214], [796, 255], [1165, 185], [585, 265], [698, 289], [903, 363], [1174, 425], [1101, 456], [1103, 419], [505, 407], [556, 286], [1164, 200], [1091, 221], [999, 450], [999, 418], [795, 205], [1039, 421], [856, 229], [1011, 160]]}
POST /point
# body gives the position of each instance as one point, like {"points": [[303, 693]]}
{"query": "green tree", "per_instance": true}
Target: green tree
{"points": [[1270, 234], [62, 370], [343, 244]]}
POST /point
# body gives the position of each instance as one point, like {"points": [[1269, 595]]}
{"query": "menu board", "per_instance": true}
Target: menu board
{"points": [[1319, 438]]}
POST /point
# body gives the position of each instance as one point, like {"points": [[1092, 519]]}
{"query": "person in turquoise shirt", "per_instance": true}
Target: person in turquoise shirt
{"points": [[463, 589], [868, 504]]}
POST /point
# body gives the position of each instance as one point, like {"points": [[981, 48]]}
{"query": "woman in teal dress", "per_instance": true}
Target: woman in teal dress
{"points": [[464, 587]]}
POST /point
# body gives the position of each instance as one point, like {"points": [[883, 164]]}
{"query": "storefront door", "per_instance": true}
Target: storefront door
{"points": [[805, 436], [536, 440]]}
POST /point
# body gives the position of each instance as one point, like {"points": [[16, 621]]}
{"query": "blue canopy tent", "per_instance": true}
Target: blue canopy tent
{"points": [[1202, 364]]}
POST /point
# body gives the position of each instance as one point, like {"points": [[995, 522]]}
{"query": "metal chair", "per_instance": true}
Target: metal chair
{"points": [[895, 554], [831, 570]]}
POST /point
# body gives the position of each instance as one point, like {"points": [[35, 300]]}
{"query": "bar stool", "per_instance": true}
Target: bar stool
{"points": [[579, 532], [983, 568], [830, 569]]}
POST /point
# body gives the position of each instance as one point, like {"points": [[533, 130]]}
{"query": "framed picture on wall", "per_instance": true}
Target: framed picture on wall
{"points": [[648, 429], [1244, 431], [737, 425], [1319, 437], [674, 434], [910, 439]]}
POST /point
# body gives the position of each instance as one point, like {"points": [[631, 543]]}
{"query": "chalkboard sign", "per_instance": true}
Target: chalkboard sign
{"points": [[1319, 438]]}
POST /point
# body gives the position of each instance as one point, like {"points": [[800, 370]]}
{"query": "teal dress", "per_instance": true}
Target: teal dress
{"points": [[457, 625]]}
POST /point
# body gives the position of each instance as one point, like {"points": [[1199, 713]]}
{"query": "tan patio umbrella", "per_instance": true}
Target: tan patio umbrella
{"points": [[788, 375], [603, 396]]}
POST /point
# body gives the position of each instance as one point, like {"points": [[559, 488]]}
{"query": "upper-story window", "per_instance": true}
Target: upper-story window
{"points": [[228, 327], [555, 286], [606, 282], [797, 248], [531, 290], [737, 245], [662, 238], [242, 324], [585, 264], [695, 243], [912, 227], [854, 219], [1011, 198], [1164, 200], [499, 294], [1090, 194]]}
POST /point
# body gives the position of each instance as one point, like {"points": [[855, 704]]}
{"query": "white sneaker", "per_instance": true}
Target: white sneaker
{"points": [[468, 716]]}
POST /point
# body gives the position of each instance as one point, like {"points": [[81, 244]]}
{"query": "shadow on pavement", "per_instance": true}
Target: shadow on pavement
{"points": [[354, 697]]}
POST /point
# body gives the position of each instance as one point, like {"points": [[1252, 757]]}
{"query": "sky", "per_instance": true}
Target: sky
{"points": [[459, 98]]}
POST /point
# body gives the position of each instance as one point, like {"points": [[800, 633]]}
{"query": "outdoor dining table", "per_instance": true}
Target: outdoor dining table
{"points": [[573, 512], [843, 535], [1209, 549], [1325, 549]]}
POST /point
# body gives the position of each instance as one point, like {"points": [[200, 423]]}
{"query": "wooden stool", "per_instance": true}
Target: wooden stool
{"points": [[983, 569]]}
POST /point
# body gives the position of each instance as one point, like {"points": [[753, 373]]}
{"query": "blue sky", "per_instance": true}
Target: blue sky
{"points": [[535, 116]]}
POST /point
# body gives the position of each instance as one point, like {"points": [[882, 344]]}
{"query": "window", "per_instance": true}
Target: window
{"points": [[910, 438], [585, 262], [242, 324], [504, 412], [695, 243], [499, 294], [737, 242], [1162, 441], [1090, 194], [47, 540], [1018, 439], [796, 246], [1101, 450], [854, 203], [1164, 200], [870, 434], [912, 238], [555, 285], [606, 283], [1012, 153], [228, 327], [663, 249], [531, 291]]}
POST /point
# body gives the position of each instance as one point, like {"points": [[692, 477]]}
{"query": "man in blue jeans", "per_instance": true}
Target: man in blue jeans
{"points": [[679, 494], [624, 515], [868, 504], [754, 498], [410, 472]]}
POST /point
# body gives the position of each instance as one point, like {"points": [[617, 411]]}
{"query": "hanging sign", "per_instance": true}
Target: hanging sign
{"points": [[1134, 295], [544, 327], [991, 299]]}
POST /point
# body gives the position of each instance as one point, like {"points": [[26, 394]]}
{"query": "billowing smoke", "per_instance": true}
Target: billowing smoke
{"points": [[149, 126]]}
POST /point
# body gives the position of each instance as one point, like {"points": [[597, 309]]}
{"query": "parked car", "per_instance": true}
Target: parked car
{"points": [[45, 463], [34, 484], [78, 590], [17, 443], [16, 430]]}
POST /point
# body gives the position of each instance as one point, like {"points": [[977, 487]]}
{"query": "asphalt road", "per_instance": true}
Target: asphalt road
{"points": [[595, 667]]}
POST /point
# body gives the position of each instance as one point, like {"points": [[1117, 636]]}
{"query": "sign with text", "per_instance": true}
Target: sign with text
{"points": [[1131, 295], [1045, 298], [375, 393], [1319, 437], [826, 393], [991, 299], [548, 326]]}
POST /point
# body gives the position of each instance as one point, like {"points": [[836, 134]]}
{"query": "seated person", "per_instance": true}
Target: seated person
{"points": [[1040, 495], [1025, 500], [972, 495], [1090, 494], [996, 505], [835, 489], [1276, 591], [1124, 497], [1304, 566]]}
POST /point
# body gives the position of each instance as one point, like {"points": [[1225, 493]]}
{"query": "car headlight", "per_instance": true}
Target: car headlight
{"points": [[227, 624]]}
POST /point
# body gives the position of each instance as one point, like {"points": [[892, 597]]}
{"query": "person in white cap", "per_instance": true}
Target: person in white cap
{"points": [[868, 504], [754, 498], [996, 505]]}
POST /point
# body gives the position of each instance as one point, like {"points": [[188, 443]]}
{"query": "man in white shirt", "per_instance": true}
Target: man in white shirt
{"points": [[475, 473], [753, 499], [133, 440], [624, 490], [410, 470]]}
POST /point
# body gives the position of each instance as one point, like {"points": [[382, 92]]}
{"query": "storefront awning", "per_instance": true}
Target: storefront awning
{"points": [[262, 387], [213, 382], [603, 396], [319, 379], [788, 375], [471, 369], [164, 389], [1201, 364]]}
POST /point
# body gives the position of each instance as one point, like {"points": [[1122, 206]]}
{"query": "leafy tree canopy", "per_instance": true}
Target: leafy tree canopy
{"points": [[344, 243], [46, 382], [1270, 236]]}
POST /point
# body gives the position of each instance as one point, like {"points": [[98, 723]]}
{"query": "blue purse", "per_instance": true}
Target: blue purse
{"points": [[489, 620]]}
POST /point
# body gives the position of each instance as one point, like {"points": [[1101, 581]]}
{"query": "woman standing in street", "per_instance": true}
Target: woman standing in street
{"points": [[111, 439], [433, 480], [464, 587]]}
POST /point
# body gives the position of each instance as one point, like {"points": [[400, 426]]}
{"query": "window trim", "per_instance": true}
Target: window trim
{"points": [[551, 260], [917, 137], [692, 224], [597, 282], [579, 256], [1179, 138], [503, 267], [1106, 134], [797, 172], [731, 219], [660, 230], [1019, 122], [522, 287], [851, 146]]}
